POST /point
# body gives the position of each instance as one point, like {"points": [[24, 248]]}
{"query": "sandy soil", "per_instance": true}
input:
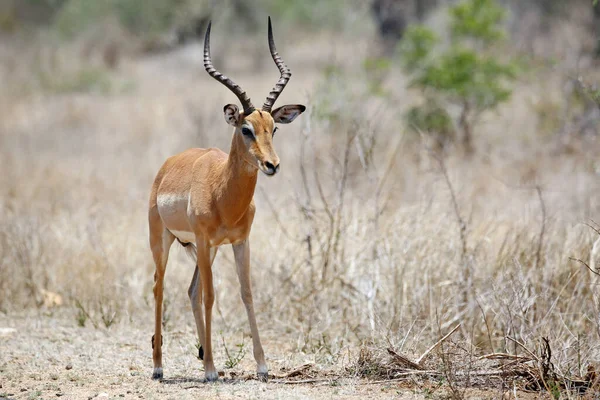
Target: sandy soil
{"points": [[48, 356]]}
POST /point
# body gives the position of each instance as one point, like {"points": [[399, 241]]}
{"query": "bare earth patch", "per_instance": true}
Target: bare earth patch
{"points": [[47, 356]]}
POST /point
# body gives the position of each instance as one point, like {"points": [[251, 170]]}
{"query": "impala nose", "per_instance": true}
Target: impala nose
{"points": [[271, 169]]}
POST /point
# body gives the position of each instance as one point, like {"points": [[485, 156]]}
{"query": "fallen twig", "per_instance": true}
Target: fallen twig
{"points": [[532, 354], [504, 356], [295, 372], [429, 350], [301, 381], [405, 361]]}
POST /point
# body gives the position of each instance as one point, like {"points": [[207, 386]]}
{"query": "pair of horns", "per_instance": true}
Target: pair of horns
{"points": [[286, 74]]}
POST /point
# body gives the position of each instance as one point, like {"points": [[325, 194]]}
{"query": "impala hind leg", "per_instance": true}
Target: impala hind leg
{"points": [[160, 243], [206, 281], [195, 294], [242, 260]]}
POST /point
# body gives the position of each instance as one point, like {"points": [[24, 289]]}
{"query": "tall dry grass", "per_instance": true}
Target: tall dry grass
{"points": [[366, 236]]}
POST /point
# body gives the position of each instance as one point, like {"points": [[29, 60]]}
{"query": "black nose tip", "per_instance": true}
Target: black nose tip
{"points": [[272, 168]]}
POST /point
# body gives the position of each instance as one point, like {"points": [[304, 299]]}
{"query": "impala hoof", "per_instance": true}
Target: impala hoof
{"points": [[263, 376], [212, 376], [157, 374]]}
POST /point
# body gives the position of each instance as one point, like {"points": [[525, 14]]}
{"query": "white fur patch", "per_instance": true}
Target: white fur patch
{"points": [[170, 203], [185, 236]]}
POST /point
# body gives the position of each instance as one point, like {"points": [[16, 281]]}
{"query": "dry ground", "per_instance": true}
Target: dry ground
{"points": [[357, 242], [49, 356]]}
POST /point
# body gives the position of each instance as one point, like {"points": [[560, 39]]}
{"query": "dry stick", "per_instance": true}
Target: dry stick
{"points": [[429, 350], [403, 375], [539, 362], [532, 354], [294, 372], [325, 252], [417, 364], [461, 222], [487, 326], [403, 360], [593, 228], [302, 381], [381, 184], [538, 253], [462, 231], [341, 196], [504, 356], [597, 273]]}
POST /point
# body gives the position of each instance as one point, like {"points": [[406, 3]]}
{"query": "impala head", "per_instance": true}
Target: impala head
{"points": [[256, 128]]}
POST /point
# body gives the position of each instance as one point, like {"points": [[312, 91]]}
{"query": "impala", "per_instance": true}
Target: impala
{"points": [[204, 199]]}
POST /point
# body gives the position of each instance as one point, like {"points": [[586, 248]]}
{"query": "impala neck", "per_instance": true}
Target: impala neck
{"points": [[240, 179]]}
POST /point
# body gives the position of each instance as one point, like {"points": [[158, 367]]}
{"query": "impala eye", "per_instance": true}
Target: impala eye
{"points": [[247, 132]]}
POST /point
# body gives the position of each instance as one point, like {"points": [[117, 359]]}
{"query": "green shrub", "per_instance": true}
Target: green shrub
{"points": [[465, 74], [137, 16]]}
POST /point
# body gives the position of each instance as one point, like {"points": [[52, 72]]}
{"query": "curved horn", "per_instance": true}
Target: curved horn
{"points": [[231, 85], [286, 74]]}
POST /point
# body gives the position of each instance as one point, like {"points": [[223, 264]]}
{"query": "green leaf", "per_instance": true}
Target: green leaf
{"points": [[416, 46], [477, 19]]}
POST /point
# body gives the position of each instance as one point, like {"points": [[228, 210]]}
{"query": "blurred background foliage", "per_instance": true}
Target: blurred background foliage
{"points": [[467, 74], [148, 17], [463, 56]]}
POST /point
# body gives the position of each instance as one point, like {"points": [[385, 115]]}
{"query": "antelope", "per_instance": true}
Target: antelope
{"points": [[204, 199]]}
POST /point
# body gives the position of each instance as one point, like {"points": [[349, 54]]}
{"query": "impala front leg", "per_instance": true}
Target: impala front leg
{"points": [[206, 280], [241, 252]]}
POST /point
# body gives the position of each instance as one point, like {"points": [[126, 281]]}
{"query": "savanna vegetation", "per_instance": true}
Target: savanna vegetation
{"points": [[445, 179]]}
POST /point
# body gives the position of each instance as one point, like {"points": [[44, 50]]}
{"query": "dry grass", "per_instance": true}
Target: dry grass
{"points": [[356, 242]]}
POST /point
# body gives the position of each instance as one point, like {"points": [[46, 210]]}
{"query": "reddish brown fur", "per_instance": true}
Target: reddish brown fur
{"points": [[208, 195]]}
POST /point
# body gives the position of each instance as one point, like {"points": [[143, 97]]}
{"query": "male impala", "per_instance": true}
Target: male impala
{"points": [[203, 198]]}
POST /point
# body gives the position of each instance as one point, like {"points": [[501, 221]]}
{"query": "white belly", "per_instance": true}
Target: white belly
{"points": [[189, 237], [184, 236]]}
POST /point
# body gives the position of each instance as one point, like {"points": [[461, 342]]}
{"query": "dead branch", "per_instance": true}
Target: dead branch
{"points": [[298, 371], [504, 356], [429, 350], [461, 222], [404, 361], [532, 354], [302, 381], [538, 253], [592, 227], [597, 273]]}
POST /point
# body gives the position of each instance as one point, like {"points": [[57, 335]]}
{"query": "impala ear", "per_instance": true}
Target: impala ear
{"points": [[288, 113], [232, 114]]}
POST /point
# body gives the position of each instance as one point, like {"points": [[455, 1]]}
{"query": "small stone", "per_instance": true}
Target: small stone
{"points": [[23, 390], [59, 394], [102, 395], [121, 395], [68, 367]]}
